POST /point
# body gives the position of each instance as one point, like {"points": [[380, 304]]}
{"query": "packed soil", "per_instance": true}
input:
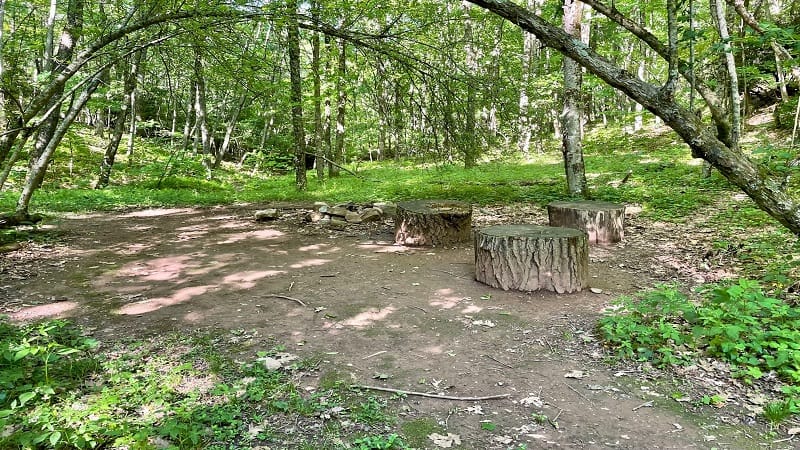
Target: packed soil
{"points": [[396, 317]]}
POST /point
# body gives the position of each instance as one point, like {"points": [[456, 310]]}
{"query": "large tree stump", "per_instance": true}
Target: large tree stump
{"points": [[602, 221], [532, 257], [432, 222]]}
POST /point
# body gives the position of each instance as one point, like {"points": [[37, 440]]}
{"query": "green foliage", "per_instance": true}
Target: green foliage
{"points": [[737, 323], [389, 442], [58, 390], [785, 113]]}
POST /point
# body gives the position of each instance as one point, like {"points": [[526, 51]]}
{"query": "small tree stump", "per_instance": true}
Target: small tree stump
{"points": [[432, 222], [602, 221], [532, 257]]}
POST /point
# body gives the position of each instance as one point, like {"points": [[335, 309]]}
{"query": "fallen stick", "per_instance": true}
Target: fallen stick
{"points": [[374, 354], [285, 297], [424, 394], [499, 362], [648, 404]]}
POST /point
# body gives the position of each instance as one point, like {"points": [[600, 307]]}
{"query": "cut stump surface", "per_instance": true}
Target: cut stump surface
{"points": [[532, 257], [602, 221], [432, 222]]}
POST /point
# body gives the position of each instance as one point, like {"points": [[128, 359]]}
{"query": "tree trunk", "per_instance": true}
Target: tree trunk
{"points": [[743, 172], [36, 173], [131, 73], [315, 70], [432, 222], [230, 126], [58, 64], [571, 115], [602, 221], [341, 103], [532, 257], [718, 12], [468, 142], [202, 112], [296, 97]]}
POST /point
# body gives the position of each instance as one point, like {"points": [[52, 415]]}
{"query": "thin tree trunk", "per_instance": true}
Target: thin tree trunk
{"points": [[296, 98], [341, 103], [57, 64], [469, 143], [37, 170], [315, 70], [131, 74], [718, 12], [202, 113], [229, 129], [571, 114]]}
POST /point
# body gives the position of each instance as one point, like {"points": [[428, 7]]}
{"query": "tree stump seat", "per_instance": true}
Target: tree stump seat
{"points": [[432, 222], [532, 257], [603, 222]]}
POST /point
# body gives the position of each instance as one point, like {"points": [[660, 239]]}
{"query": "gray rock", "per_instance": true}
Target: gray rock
{"points": [[265, 215], [352, 217], [338, 211], [371, 215], [337, 223]]}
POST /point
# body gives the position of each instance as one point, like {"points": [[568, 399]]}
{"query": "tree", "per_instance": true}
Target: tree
{"points": [[765, 190], [296, 97], [572, 114]]}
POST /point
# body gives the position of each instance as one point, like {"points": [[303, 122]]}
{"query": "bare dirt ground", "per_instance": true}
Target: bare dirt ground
{"points": [[413, 317]]}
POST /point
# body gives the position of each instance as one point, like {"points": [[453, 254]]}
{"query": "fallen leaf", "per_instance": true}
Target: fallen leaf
{"points": [[533, 400], [504, 440], [381, 376], [445, 441], [477, 410], [484, 323], [575, 374]]}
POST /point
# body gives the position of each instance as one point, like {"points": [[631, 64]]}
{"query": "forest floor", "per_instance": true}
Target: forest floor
{"points": [[397, 317]]}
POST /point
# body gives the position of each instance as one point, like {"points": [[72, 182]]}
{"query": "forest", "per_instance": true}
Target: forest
{"points": [[201, 111]]}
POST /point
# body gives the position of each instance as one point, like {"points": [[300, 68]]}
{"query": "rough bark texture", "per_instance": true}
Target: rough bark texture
{"points": [[432, 222], [532, 257], [602, 221]]}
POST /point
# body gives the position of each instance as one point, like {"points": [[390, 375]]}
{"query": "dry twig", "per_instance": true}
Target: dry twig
{"points": [[424, 394], [286, 297]]}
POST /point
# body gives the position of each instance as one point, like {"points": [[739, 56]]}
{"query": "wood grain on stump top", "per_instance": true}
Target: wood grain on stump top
{"points": [[603, 222], [432, 222], [532, 257]]}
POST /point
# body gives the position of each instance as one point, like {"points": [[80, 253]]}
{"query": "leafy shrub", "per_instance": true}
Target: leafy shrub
{"points": [[784, 114], [738, 324]]}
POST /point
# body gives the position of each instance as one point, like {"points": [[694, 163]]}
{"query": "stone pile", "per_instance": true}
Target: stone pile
{"points": [[337, 217], [340, 216]]}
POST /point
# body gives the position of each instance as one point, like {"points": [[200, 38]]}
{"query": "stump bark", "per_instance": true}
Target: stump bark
{"points": [[603, 222], [432, 222], [532, 257]]}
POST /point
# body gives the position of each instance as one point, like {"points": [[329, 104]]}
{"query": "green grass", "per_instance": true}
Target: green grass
{"points": [[59, 389]]}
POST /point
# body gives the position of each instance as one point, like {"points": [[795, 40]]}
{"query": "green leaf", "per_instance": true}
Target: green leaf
{"points": [[55, 437], [25, 397]]}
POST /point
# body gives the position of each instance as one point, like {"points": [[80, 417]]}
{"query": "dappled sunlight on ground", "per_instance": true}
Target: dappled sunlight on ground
{"points": [[260, 235], [247, 280], [159, 212], [180, 296], [471, 309], [310, 263], [445, 299], [369, 317], [384, 247], [160, 269], [48, 311]]}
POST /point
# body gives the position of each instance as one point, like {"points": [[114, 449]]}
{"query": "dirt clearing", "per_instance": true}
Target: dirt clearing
{"points": [[387, 316]]}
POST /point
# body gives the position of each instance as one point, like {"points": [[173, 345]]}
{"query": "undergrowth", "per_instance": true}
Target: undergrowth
{"points": [[756, 334], [59, 389]]}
